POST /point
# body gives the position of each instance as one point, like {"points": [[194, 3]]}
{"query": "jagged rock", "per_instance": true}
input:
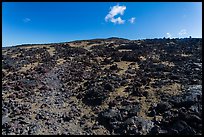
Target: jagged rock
{"points": [[80, 88], [114, 67], [162, 107], [109, 87], [94, 97]]}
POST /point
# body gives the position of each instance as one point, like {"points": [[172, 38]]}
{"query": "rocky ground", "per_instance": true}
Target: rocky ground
{"points": [[103, 87]]}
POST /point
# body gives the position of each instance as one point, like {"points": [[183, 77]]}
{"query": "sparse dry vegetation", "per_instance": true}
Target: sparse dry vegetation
{"points": [[103, 87]]}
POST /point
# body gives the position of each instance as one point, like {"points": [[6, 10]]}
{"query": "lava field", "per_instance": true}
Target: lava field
{"points": [[108, 86]]}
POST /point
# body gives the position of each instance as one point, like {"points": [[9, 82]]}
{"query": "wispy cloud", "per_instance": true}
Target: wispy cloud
{"points": [[25, 20], [132, 20], [182, 32], [168, 35], [115, 10]]}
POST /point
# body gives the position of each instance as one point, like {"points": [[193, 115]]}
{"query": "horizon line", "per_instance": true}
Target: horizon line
{"points": [[22, 44]]}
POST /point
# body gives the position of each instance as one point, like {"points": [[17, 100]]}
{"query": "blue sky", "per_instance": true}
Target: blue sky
{"points": [[47, 22]]}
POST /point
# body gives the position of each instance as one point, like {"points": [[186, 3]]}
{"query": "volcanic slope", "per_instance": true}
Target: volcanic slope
{"points": [[103, 87]]}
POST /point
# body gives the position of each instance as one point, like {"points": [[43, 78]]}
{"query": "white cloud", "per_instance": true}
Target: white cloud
{"points": [[117, 20], [168, 35], [132, 20], [115, 10], [182, 32], [26, 20]]}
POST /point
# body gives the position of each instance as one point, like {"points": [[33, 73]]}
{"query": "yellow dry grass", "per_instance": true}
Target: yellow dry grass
{"points": [[119, 92], [81, 44], [172, 89], [51, 50], [35, 46], [167, 63], [60, 61], [29, 66], [123, 65], [15, 55]]}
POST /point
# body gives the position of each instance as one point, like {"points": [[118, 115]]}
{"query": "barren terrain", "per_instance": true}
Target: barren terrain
{"points": [[103, 87]]}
